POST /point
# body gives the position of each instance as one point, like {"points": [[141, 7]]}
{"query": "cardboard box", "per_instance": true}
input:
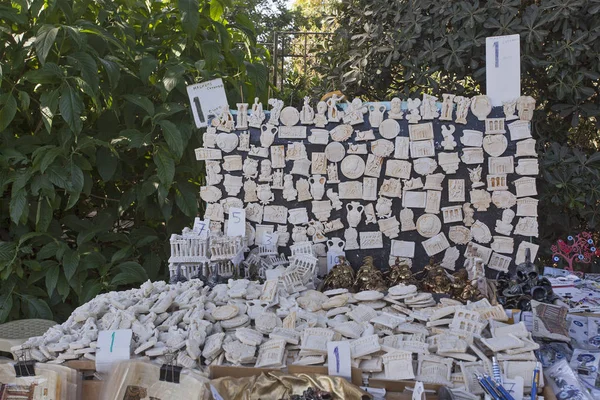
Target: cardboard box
{"points": [[222, 371], [91, 389], [306, 369], [396, 389]]}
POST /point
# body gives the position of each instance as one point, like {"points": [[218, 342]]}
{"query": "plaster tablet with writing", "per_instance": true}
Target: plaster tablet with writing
{"points": [[207, 99], [503, 68]]}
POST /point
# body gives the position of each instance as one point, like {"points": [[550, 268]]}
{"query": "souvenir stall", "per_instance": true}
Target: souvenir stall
{"points": [[348, 250]]}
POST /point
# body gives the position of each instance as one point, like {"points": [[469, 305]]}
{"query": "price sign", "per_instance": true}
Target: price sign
{"points": [[201, 227], [338, 359], [207, 100], [419, 391], [269, 238], [236, 224], [333, 258], [113, 346], [503, 68]]}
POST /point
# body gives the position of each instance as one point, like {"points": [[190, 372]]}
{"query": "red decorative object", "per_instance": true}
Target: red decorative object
{"points": [[580, 249]]}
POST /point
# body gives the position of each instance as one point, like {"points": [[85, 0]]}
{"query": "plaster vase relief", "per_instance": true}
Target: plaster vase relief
{"points": [[450, 179]]}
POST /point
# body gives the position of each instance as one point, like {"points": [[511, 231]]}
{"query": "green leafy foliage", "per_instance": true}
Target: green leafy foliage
{"points": [[96, 139]]}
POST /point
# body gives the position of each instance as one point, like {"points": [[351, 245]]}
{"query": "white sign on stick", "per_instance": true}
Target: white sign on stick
{"points": [[503, 68], [236, 224], [113, 346], [333, 258], [338, 359], [207, 99], [201, 227]]}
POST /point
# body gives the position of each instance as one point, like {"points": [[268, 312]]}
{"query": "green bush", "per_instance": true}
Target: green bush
{"points": [[403, 48], [96, 139]]}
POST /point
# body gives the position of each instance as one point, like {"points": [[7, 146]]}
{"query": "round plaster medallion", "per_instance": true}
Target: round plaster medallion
{"points": [[210, 194], [335, 152], [481, 106], [341, 133], [389, 129], [289, 116], [429, 225], [266, 322], [382, 147], [503, 199], [235, 322], [227, 141], [495, 145], [400, 290], [353, 167], [459, 234], [368, 295], [225, 312]]}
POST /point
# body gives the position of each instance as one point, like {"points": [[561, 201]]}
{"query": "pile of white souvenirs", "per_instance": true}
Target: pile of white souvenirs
{"points": [[399, 335]]}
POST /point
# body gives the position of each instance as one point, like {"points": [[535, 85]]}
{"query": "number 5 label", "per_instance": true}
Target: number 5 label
{"points": [[236, 224]]}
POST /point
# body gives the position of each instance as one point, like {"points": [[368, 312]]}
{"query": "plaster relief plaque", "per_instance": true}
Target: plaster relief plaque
{"points": [[436, 244], [363, 136], [452, 214], [231, 202], [447, 107], [254, 212], [459, 234], [396, 109], [434, 199], [472, 155], [526, 148], [391, 188], [373, 165], [420, 132], [278, 156], [303, 188], [371, 240], [519, 130], [497, 182], [214, 212], [289, 192], [407, 220], [499, 262], [319, 163], [472, 138], [296, 151], [449, 162], [357, 148], [504, 225], [203, 154], [277, 182], [250, 191], [525, 187], [277, 214], [297, 216], [382, 147], [389, 128], [494, 126], [481, 106], [232, 163], [478, 251], [447, 132], [412, 199], [353, 167], [480, 199], [351, 190], [413, 184], [332, 173], [319, 136], [333, 226], [424, 166], [341, 133], [213, 175], [523, 246], [398, 169], [227, 141], [335, 152], [401, 148], [244, 144], [370, 217], [429, 225], [289, 116], [527, 207], [301, 167], [501, 165], [351, 237], [369, 189], [503, 199], [292, 132], [264, 193], [423, 148], [480, 232], [401, 248], [450, 257], [210, 194], [390, 227], [434, 182], [456, 190], [413, 115], [322, 210], [528, 166], [233, 184], [495, 145], [503, 244], [258, 151], [527, 226]]}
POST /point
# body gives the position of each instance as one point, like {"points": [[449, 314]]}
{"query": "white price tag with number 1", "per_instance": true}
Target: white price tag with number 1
{"points": [[236, 224], [503, 68], [113, 346]]}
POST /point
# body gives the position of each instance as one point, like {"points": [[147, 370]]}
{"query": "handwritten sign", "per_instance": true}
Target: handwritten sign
{"points": [[201, 227], [113, 346], [236, 224], [419, 391], [503, 68], [333, 258], [338, 359], [207, 100]]}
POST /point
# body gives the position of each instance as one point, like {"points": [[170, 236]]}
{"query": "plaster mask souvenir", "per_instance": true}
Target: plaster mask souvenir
{"points": [[276, 107], [414, 199], [250, 192], [519, 130], [527, 166], [373, 165], [335, 199], [289, 193], [495, 145], [363, 136], [502, 244], [494, 126], [423, 148], [320, 119], [319, 136], [277, 179], [433, 201], [509, 109], [370, 217], [276, 214], [420, 132], [371, 240], [382, 148], [384, 207], [307, 114], [358, 148], [468, 212], [242, 116], [413, 116], [297, 216], [396, 109], [398, 169], [527, 226], [526, 148], [472, 155], [210, 194], [447, 107], [227, 141], [424, 166], [303, 188], [369, 189], [209, 138], [456, 190], [480, 199], [354, 213], [429, 225], [354, 112], [341, 133], [317, 186], [265, 171], [428, 107], [350, 190], [481, 106], [462, 109], [258, 151], [407, 220], [257, 115], [497, 182], [289, 116], [376, 111], [472, 138], [436, 244], [335, 152], [447, 132], [351, 237], [353, 167], [480, 232], [332, 173], [402, 146], [459, 234], [233, 184], [452, 214], [296, 151], [449, 162], [391, 188], [318, 163], [389, 128], [213, 176], [525, 106], [301, 167], [264, 193]]}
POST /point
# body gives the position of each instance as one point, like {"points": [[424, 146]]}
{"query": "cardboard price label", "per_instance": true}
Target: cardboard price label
{"points": [[201, 227], [236, 224], [503, 68], [207, 99], [338, 359], [113, 346], [333, 258]]}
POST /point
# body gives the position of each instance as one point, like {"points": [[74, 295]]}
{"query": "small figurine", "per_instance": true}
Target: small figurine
{"points": [[504, 226], [436, 278], [257, 115], [468, 214], [509, 109], [396, 109], [320, 119], [242, 116], [400, 273], [462, 109], [447, 132], [307, 115], [265, 171], [332, 173], [475, 176], [289, 192], [333, 114], [447, 107], [354, 113], [276, 107], [462, 288], [428, 107], [335, 199], [369, 277], [413, 111]]}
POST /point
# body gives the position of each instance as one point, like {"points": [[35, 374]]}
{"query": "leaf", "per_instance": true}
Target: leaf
{"points": [[6, 303], [121, 254], [129, 272], [18, 202], [52, 278], [142, 102], [190, 17], [152, 263], [106, 163], [173, 76], [90, 290], [172, 136], [147, 67], [48, 105], [185, 198], [88, 67], [165, 166], [44, 41], [71, 107], [216, 10], [113, 71], [44, 214], [257, 75], [70, 263], [63, 288], [7, 251], [49, 157], [36, 308], [8, 112]]}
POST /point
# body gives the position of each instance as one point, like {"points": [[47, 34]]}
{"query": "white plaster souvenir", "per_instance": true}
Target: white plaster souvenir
{"points": [[497, 182], [450, 257], [369, 189], [307, 114], [424, 166], [341, 133], [447, 107], [400, 248], [250, 168], [526, 187], [278, 156], [332, 173], [434, 182], [297, 216], [503, 244], [376, 111], [224, 122], [436, 244], [257, 115], [412, 199], [233, 184], [370, 217], [495, 145], [527, 226], [480, 199], [459, 234], [472, 138], [413, 184], [350, 190], [480, 232], [333, 226], [499, 262], [526, 148], [423, 148], [250, 191], [494, 126], [320, 119], [354, 213], [322, 210], [396, 109], [382, 148], [289, 116], [523, 246], [354, 112], [351, 237], [210, 194], [481, 106], [391, 188], [527, 207], [433, 201], [303, 188], [213, 176], [209, 138], [267, 136], [265, 171], [384, 207], [501, 165], [227, 141], [462, 109], [254, 212], [242, 116], [390, 227], [353, 166], [264, 193], [283, 236], [231, 202], [319, 136], [503, 199], [527, 166], [428, 225], [407, 220], [472, 155], [244, 142], [519, 130], [317, 186], [276, 107], [232, 163], [504, 226], [475, 176], [214, 212], [373, 165], [289, 193], [335, 152], [447, 132], [296, 151], [402, 145], [398, 169], [203, 154], [468, 212], [292, 132], [389, 128], [277, 214], [452, 214], [525, 106], [358, 148], [258, 151], [318, 163], [428, 107], [456, 190], [413, 116], [509, 109], [333, 114], [371, 240], [363, 136], [420, 132], [299, 234]]}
